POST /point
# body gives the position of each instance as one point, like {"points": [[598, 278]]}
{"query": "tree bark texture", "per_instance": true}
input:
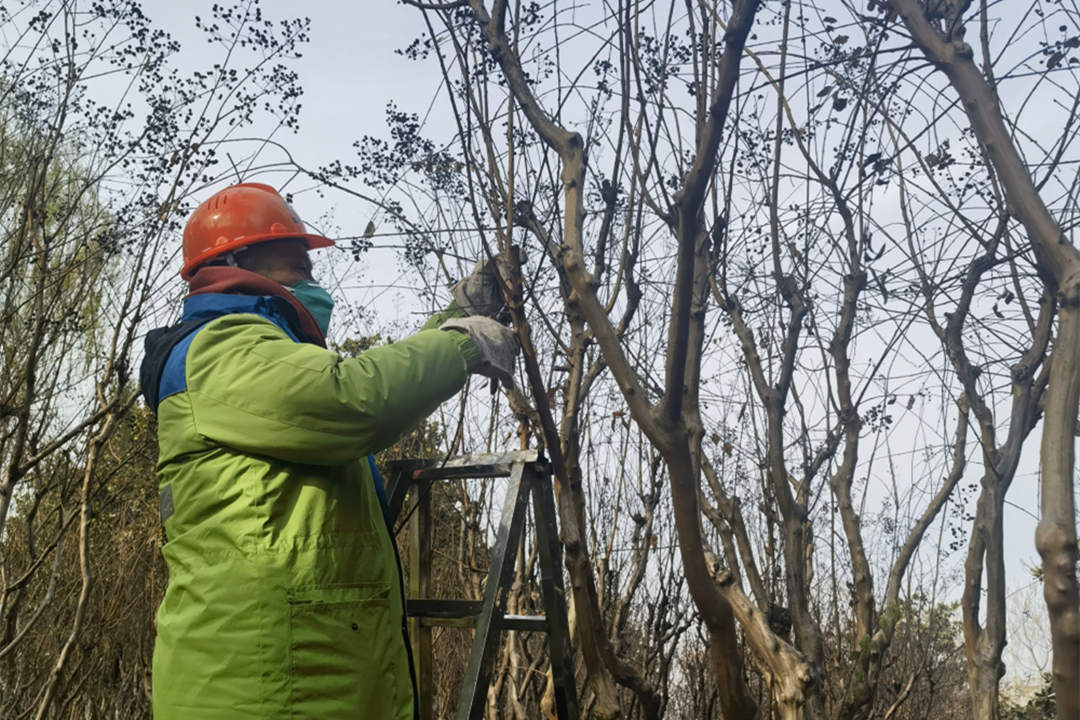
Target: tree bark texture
{"points": [[1055, 535]]}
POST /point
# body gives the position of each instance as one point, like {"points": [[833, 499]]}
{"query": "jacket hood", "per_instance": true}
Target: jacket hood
{"points": [[236, 281]]}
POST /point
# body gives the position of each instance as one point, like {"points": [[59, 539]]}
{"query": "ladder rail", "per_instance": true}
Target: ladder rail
{"points": [[486, 641], [420, 586]]}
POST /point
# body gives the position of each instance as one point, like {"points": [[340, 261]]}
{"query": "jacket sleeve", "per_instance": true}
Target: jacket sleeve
{"points": [[253, 389], [452, 311]]}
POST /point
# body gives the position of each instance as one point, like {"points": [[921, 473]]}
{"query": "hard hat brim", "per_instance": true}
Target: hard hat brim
{"points": [[314, 242]]}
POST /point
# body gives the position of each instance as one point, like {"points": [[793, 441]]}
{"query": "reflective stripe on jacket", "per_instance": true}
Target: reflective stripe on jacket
{"points": [[283, 596]]}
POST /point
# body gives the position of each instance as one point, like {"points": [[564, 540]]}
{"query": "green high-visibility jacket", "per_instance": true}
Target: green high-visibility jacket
{"points": [[283, 598]]}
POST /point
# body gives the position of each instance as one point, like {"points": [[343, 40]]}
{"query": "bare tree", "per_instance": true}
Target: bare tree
{"points": [[705, 264], [939, 32], [673, 422]]}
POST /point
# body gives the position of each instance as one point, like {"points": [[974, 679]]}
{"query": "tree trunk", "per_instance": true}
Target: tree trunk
{"points": [[983, 678], [715, 609], [1055, 536], [984, 645]]}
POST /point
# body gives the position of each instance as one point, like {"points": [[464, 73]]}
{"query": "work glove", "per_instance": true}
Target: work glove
{"points": [[498, 346], [479, 292]]}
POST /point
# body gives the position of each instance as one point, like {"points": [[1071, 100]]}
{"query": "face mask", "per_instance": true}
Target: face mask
{"points": [[316, 300]]}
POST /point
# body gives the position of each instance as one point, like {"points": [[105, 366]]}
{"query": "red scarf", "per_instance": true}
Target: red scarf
{"points": [[235, 281]]}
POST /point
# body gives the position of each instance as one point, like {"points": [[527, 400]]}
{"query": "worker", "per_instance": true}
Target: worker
{"points": [[284, 593]]}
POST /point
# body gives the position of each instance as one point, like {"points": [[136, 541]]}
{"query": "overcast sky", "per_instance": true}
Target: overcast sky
{"points": [[349, 69]]}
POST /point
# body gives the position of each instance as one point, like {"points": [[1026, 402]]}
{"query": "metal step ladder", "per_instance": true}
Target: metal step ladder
{"points": [[528, 476]]}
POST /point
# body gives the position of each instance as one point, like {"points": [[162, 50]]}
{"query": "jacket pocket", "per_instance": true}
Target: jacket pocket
{"points": [[346, 657]]}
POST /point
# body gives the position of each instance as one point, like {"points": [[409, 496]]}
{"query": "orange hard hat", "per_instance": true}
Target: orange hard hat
{"points": [[239, 216]]}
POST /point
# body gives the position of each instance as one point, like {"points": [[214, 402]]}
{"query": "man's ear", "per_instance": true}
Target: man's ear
{"points": [[240, 259]]}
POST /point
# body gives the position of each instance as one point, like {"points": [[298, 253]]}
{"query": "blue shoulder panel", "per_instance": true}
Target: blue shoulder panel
{"points": [[174, 376]]}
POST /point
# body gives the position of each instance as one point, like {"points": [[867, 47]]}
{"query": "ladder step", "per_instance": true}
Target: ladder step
{"points": [[428, 609], [463, 613], [479, 465], [527, 623]]}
